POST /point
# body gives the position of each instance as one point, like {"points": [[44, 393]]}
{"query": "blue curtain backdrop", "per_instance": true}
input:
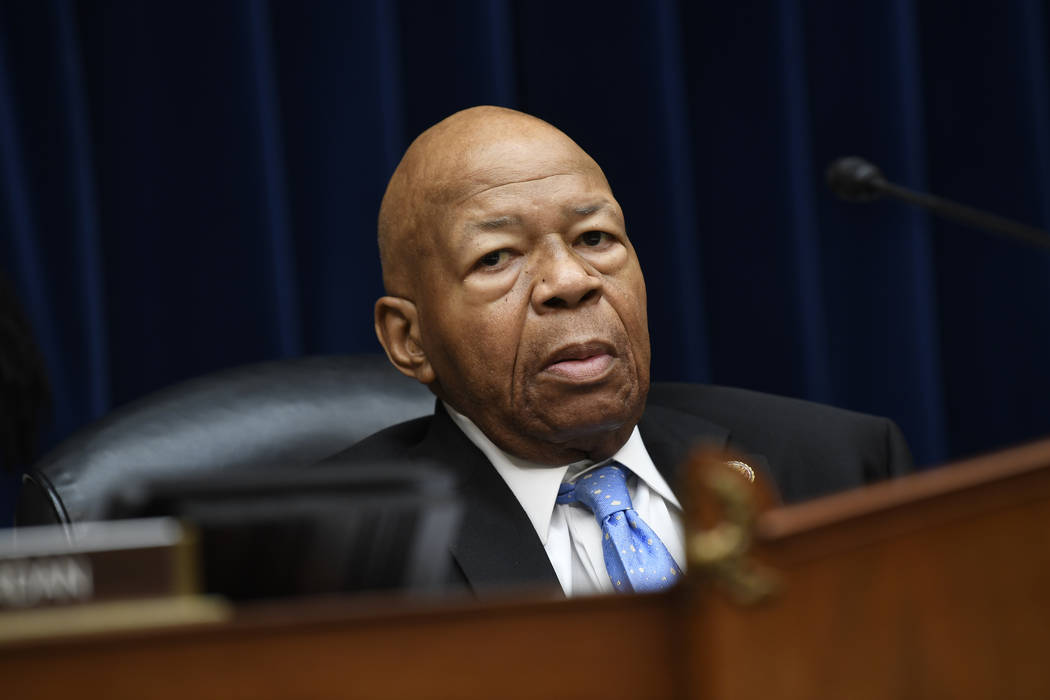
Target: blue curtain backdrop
{"points": [[189, 186]]}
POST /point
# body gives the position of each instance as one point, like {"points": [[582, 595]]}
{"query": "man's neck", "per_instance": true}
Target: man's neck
{"points": [[599, 444]]}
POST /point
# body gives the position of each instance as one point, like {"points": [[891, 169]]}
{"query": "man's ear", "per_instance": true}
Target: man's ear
{"points": [[397, 326]]}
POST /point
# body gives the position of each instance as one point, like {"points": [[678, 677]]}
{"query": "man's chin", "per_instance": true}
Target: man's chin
{"points": [[578, 424], [592, 442], [555, 424], [562, 437], [589, 407]]}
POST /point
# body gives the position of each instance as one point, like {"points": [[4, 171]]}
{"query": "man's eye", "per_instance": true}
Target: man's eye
{"points": [[593, 238], [494, 258]]}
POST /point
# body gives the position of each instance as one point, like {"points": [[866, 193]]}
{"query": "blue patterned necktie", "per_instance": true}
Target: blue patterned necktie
{"points": [[635, 557]]}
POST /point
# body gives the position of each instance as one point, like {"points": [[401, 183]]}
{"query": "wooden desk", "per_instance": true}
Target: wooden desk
{"points": [[933, 586]]}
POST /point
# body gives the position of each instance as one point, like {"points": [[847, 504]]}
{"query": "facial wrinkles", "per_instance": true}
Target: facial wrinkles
{"points": [[522, 180], [531, 333], [526, 158], [489, 188], [520, 325]]}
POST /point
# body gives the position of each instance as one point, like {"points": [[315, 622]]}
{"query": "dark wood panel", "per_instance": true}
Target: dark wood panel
{"points": [[937, 585]]}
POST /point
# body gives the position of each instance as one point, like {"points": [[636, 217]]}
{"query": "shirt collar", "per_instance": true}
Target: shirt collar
{"points": [[536, 485]]}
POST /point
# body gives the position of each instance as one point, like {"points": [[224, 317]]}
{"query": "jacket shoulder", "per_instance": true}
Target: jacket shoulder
{"points": [[710, 400], [812, 448], [394, 442]]}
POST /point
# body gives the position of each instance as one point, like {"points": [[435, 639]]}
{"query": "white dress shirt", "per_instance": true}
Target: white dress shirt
{"points": [[569, 533]]}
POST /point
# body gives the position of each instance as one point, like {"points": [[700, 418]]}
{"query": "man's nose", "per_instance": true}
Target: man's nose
{"points": [[564, 280]]}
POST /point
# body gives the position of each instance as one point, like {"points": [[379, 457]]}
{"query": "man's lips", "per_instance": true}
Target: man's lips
{"points": [[581, 362]]}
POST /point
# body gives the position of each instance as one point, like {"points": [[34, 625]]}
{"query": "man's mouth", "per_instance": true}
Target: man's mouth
{"points": [[581, 362]]}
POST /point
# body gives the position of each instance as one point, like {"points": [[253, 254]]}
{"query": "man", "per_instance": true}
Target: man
{"points": [[514, 293]]}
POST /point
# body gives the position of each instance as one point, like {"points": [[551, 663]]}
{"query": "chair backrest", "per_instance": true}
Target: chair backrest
{"points": [[286, 413]]}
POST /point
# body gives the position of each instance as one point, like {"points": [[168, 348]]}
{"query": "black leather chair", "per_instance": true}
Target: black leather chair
{"points": [[286, 413]]}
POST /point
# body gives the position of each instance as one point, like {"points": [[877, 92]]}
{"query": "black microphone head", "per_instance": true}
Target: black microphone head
{"points": [[855, 179]]}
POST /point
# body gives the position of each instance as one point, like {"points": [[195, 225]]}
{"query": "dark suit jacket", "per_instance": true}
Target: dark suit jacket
{"points": [[809, 449]]}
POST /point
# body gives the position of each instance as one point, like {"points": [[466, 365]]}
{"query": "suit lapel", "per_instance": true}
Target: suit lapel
{"points": [[669, 435], [496, 546]]}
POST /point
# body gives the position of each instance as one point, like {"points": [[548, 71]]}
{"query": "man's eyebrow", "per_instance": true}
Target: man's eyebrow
{"points": [[497, 223], [588, 209], [500, 222]]}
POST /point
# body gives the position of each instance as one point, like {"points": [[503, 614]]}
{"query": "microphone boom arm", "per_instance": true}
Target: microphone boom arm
{"points": [[854, 179]]}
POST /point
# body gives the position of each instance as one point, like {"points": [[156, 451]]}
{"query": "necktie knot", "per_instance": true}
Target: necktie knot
{"points": [[603, 491]]}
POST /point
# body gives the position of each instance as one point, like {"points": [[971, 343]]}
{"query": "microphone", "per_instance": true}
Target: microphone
{"points": [[856, 180]]}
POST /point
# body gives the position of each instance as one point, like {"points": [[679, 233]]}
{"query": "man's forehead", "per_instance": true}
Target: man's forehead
{"points": [[454, 176], [515, 212]]}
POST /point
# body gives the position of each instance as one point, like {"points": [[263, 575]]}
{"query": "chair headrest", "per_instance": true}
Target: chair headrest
{"points": [[285, 413]]}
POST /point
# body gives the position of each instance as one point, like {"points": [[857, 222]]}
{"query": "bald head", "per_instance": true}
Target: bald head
{"points": [[446, 164]]}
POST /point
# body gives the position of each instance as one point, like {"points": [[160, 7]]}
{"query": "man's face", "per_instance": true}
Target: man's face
{"points": [[532, 309]]}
